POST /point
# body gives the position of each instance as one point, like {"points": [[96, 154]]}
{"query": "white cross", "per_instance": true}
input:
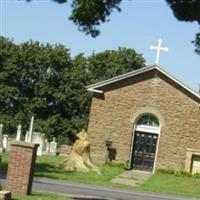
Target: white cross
{"points": [[158, 48]]}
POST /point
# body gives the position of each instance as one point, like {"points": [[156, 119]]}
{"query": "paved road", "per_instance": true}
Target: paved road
{"points": [[91, 192]]}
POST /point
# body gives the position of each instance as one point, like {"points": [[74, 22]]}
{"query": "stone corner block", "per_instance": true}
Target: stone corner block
{"points": [[5, 195]]}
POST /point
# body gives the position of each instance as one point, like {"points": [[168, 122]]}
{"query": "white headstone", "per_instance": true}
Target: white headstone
{"points": [[1, 138], [38, 138], [47, 145], [5, 141], [19, 131], [53, 147], [26, 136], [10, 140], [29, 138]]}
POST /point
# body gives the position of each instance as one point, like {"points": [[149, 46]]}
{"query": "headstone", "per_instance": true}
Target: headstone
{"points": [[1, 138], [26, 137], [53, 147], [38, 138], [29, 138], [19, 131], [9, 141], [5, 141], [47, 147]]}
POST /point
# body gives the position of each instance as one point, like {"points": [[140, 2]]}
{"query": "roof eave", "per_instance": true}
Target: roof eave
{"points": [[94, 87], [120, 77]]}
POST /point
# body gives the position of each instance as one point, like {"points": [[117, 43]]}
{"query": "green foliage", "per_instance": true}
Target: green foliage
{"points": [[186, 10], [123, 165], [178, 173], [51, 167], [44, 81], [111, 63], [88, 14], [160, 182], [40, 196], [33, 83], [197, 43], [171, 184], [10, 110]]}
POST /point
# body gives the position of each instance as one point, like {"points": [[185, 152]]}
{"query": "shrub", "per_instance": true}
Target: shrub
{"points": [[178, 173]]}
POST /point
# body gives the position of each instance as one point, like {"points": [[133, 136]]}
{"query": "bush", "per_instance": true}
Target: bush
{"points": [[178, 173]]}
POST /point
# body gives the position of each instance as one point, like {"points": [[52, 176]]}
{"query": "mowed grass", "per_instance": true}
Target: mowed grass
{"points": [[51, 167], [171, 184], [40, 196]]}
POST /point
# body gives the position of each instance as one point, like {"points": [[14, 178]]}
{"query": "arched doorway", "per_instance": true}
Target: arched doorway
{"points": [[146, 132]]}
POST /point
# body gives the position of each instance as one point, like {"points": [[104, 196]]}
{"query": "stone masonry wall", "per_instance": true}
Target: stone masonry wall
{"points": [[114, 113], [21, 166]]}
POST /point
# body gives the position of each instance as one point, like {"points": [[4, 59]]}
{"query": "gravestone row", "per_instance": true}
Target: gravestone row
{"points": [[23, 153], [45, 147]]}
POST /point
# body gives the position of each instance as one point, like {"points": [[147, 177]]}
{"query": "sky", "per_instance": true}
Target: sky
{"points": [[140, 24]]}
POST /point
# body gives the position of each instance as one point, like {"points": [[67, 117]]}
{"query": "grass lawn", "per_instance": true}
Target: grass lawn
{"points": [[40, 196], [50, 167], [166, 183]]}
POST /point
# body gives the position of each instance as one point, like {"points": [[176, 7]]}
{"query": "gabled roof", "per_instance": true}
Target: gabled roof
{"points": [[95, 87]]}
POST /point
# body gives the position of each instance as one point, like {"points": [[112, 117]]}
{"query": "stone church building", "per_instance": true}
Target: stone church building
{"points": [[147, 118]]}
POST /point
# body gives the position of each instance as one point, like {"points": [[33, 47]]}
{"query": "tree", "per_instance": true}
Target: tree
{"points": [[10, 110], [111, 63], [189, 11], [78, 99], [88, 14], [32, 82], [44, 81], [45, 71]]}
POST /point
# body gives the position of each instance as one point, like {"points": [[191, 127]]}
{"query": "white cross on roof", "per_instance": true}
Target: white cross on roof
{"points": [[158, 48]]}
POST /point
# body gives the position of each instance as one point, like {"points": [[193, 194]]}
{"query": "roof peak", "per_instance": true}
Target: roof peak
{"points": [[94, 87]]}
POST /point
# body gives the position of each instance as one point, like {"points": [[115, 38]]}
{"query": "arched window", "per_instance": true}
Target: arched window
{"points": [[148, 123], [148, 120]]}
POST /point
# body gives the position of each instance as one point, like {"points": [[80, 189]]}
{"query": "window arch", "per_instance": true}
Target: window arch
{"points": [[148, 120], [148, 123]]}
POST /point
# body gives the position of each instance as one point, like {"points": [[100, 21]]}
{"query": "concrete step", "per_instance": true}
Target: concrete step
{"points": [[132, 177]]}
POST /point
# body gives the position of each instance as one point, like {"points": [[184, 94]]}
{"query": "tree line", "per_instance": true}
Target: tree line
{"points": [[44, 81]]}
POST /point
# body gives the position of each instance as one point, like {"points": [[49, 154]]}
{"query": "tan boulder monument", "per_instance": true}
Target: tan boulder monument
{"points": [[79, 159]]}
